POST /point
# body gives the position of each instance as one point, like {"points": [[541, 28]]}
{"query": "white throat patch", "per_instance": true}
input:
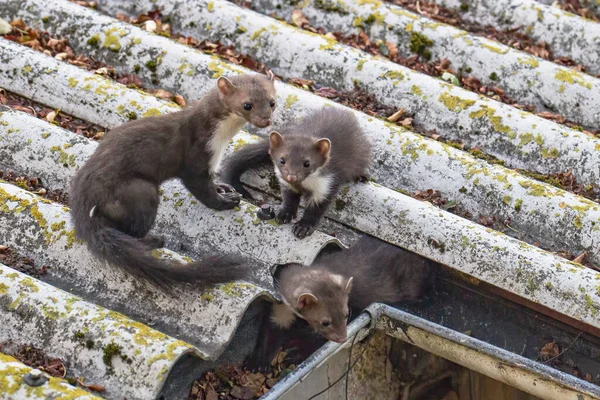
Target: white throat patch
{"points": [[319, 186], [223, 133]]}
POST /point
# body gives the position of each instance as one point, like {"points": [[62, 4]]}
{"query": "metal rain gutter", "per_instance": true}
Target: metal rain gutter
{"points": [[532, 377]]}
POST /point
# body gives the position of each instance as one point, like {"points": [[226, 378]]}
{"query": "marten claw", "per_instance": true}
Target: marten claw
{"points": [[224, 188], [284, 217], [302, 229], [229, 200]]}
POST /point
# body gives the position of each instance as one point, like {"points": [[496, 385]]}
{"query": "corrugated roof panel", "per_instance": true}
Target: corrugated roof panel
{"points": [[12, 384], [107, 348], [42, 230]]}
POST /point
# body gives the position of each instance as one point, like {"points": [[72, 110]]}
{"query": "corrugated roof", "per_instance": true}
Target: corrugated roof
{"points": [[405, 161]]}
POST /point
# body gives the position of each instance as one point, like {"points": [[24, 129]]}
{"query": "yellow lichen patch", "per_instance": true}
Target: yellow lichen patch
{"points": [[72, 82], [534, 189], [375, 4], [210, 6], [152, 112], [29, 285], [238, 144], [455, 103], [548, 152], [494, 119], [66, 159], [571, 77], [414, 89], [526, 138], [532, 62], [403, 13], [142, 334], [234, 289], [290, 100], [217, 67], [395, 76], [495, 49], [172, 351], [3, 288], [257, 33], [359, 65], [330, 45], [111, 39]]}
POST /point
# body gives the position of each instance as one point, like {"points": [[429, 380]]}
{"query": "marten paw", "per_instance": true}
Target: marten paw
{"points": [[224, 188], [227, 201], [303, 229], [284, 216]]}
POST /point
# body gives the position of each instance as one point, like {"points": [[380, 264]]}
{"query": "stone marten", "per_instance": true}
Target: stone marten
{"points": [[115, 195], [312, 159], [371, 271]]}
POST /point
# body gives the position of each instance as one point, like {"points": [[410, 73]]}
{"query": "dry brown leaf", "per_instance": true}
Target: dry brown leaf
{"points": [[397, 115], [580, 259], [180, 100], [150, 26], [392, 49], [95, 388], [550, 350], [211, 394], [51, 116], [299, 19], [163, 94], [406, 121]]}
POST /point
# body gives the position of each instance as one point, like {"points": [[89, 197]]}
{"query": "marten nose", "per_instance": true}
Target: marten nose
{"points": [[292, 178], [264, 122], [337, 338]]}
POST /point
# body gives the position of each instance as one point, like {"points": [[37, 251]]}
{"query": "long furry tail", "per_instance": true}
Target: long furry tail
{"points": [[134, 256], [251, 156]]}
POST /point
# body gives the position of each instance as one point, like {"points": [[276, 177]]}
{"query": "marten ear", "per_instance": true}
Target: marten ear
{"points": [[225, 86], [270, 75], [349, 285], [306, 300], [323, 146], [275, 140]]}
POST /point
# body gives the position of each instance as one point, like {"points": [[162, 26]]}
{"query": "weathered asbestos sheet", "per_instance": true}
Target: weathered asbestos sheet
{"points": [[126, 357]]}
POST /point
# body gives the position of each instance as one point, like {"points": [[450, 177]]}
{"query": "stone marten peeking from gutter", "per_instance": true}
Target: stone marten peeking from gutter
{"points": [[371, 271]]}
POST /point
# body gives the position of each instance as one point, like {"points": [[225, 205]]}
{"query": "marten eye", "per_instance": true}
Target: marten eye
{"points": [[306, 164], [282, 160], [247, 106], [272, 104], [325, 323]]}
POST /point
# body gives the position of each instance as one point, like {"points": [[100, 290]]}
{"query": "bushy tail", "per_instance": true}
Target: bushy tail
{"points": [[249, 157], [134, 256]]}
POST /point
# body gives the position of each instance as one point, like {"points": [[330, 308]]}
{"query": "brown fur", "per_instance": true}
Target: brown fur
{"points": [[114, 196], [312, 159], [375, 271]]}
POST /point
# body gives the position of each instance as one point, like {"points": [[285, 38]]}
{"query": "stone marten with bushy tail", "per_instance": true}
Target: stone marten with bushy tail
{"points": [[115, 195], [312, 159]]}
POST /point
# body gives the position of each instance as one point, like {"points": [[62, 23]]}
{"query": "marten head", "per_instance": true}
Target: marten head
{"points": [[298, 156], [319, 297], [251, 97]]}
